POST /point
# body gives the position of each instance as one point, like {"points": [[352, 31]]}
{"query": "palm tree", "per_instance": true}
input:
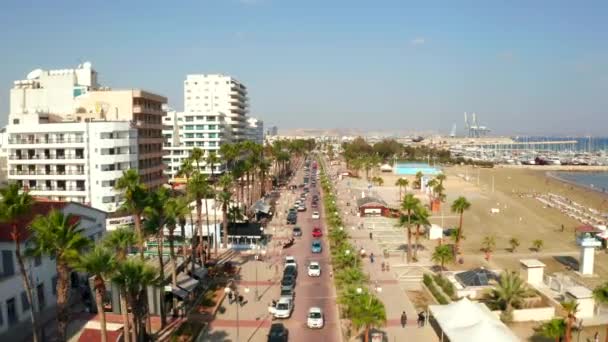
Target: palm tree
{"points": [[514, 242], [196, 155], [379, 181], [119, 241], [555, 328], [212, 160], [488, 244], [350, 276], [199, 188], [570, 309], [368, 312], [133, 277], [264, 167], [442, 255], [537, 244], [600, 294], [459, 206], [224, 198], [175, 210], [440, 177], [408, 204], [100, 263], [13, 205], [136, 200], [421, 218], [59, 236], [418, 180], [401, 183], [508, 294]]}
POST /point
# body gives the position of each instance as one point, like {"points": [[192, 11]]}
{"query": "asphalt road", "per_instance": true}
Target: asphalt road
{"points": [[311, 291]]}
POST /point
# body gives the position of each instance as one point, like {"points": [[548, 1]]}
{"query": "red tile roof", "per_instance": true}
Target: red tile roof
{"points": [[587, 229], [39, 208]]}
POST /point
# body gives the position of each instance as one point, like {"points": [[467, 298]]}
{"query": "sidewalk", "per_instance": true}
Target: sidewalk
{"points": [[392, 295]]}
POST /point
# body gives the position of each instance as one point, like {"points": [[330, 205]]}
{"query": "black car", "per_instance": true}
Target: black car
{"points": [[290, 270], [292, 219], [288, 282], [278, 333]]}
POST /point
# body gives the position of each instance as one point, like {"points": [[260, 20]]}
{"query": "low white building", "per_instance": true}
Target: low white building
{"points": [[71, 161], [15, 324]]}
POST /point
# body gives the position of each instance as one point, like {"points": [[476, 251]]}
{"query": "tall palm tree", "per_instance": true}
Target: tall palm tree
{"points": [[59, 236], [442, 255], [196, 155], [421, 218], [99, 263], [119, 241], [408, 205], [175, 209], [460, 205], [187, 169], [401, 183], [13, 205], [555, 328], [418, 180], [199, 188], [136, 200], [212, 160], [264, 169], [224, 198], [368, 313], [441, 178], [600, 294], [508, 294], [133, 277], [570, 309]]}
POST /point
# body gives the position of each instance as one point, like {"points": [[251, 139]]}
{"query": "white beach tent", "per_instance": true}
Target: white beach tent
{"points": [[465, 321]]}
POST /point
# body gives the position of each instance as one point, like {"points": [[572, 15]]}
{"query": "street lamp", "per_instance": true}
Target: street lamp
{"points": [[232, 288]]}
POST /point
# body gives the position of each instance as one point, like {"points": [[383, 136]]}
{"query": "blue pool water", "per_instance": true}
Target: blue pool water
{"points": [[410, 169]]}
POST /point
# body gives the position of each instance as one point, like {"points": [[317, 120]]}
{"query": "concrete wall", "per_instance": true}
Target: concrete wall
{"points": [[531, 315]]}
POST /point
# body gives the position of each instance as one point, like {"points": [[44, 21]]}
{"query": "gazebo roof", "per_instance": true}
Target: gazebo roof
{"points": [[476, 277], [367, 200]]}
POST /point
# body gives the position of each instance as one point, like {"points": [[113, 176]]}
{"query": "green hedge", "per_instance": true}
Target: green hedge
{"points": [[430, 284], [446, 285]]}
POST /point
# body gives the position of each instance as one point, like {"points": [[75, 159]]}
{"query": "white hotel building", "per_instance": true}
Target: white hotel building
{"points": [[215, 112], [68, 139]]}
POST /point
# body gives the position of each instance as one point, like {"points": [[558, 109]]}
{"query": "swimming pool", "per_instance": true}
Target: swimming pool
{"points": [[411, 169]]}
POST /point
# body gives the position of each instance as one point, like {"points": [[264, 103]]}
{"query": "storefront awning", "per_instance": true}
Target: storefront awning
{"points": [[179, 292], [187, 283]]}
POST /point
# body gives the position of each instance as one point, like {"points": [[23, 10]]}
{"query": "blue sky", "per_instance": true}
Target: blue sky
{"points": [[522, 66]]}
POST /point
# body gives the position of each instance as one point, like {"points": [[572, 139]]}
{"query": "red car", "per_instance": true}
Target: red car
{"points": [[316, 232]]}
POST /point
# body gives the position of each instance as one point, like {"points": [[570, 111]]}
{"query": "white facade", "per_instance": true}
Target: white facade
{"points": [[42, 274], [52, 91], [218, 95], [71, 161], [255, 129], [183, 131]]}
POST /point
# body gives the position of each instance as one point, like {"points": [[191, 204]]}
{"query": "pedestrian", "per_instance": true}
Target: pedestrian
{"points": [[371, 258], [596, 337], [370, 236], [403, 319], [241, 300], [420, 319], [562, 227], [229, 297]]}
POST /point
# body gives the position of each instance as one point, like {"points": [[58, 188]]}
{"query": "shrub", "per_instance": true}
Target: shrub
{"points": [[430, 284]]}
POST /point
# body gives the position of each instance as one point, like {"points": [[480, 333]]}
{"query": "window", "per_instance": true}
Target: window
{"points": [[189, 118], [200, 135], [15, 121], [189, 143], [1, 316], [11, 311], [189, 127], [212, 127], [190, 135], [200, 127], [25, 304], [8, 265], [200, 143], [40, 293]]}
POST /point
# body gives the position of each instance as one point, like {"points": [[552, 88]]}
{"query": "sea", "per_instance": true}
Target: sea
{"points": [[594, 180]]}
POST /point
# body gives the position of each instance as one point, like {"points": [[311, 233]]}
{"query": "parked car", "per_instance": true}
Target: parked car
{"points": [[314, 269], [315, 318], [297, 231], [302, 207], [290, 260], [290, 270], [315, 215], [316, 246], [288, 282], [278, 333], [284, 308], [289, 294], [316, 232]]}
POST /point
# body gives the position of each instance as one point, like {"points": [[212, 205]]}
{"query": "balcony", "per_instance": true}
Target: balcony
{"points": [[56, 188], [46, 157], [46, 173], [45, 141]]}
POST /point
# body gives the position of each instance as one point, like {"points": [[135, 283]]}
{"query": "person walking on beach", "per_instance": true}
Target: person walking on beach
{"points": [[229, 297], [371, 236], [403, 319]]}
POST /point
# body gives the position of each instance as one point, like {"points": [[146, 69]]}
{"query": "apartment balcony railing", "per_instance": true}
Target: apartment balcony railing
{"points": [[45, 141], [57, 188], [45, 157], [45, 172]]}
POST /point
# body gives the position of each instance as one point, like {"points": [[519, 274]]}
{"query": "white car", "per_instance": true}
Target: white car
{"points": [[290, 260], [315, 215], [283, 309], [314, 269], [315, 318]]}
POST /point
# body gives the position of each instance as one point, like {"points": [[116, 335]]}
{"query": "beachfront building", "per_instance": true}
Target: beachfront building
{"points": [[215, 113], [255, 130], [15, 324], [68, 139]]}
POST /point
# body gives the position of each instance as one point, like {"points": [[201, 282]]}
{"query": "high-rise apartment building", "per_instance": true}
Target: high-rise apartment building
{"points": [[215, 112], [255, 130], [70, 139]]}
